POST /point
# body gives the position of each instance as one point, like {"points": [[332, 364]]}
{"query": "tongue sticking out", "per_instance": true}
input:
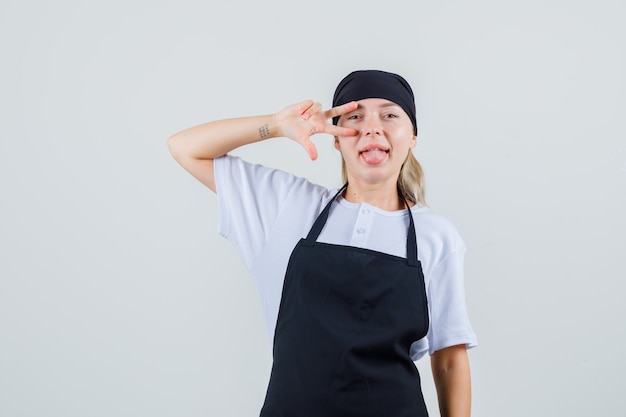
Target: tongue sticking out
{"points": [[374, 156]]}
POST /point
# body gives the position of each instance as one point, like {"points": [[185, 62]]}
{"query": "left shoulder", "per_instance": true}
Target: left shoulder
{"points": [[436, 230]]}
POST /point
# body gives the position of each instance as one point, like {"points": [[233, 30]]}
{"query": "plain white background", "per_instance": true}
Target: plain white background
{"points": [[117, 298]]}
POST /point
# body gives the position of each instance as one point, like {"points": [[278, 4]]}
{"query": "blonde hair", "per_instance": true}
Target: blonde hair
{"points": [[411, 182]]}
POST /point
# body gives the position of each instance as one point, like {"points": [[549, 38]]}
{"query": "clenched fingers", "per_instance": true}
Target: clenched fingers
{"points": [[314, 108]]}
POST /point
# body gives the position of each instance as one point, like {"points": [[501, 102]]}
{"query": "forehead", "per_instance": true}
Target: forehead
{"points": [[375, 103]]}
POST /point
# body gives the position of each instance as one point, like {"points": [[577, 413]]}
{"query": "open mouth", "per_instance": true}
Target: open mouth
{"points": [[374, 154], [375, 150]]}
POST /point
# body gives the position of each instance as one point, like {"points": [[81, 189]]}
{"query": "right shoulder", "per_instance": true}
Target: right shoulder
{"points": [[269, 185], [256, 202]]}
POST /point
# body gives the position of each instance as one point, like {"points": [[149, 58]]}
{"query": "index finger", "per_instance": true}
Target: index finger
{"points": [[339, 110], [340, 131]]}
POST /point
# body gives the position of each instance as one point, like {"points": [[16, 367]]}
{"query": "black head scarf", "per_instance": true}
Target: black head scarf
{"points": [[359, 85]]}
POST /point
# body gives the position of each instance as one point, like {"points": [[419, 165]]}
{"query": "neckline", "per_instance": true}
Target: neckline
{"points": [[356, 206], [411, 241]]}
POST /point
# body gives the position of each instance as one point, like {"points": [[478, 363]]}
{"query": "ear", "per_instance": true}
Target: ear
{"points": [[337, 143], [413, 141]]}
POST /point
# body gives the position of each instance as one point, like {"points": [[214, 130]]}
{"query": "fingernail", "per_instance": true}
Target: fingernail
{"points": [[305, 110]]}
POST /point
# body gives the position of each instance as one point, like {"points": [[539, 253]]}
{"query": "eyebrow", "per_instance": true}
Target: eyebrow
{"points": [[388, 104]]}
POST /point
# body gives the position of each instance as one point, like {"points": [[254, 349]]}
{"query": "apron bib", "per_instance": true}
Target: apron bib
{"points": [[346, 322]]}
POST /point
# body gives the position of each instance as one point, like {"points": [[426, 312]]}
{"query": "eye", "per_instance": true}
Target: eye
{"points": [[353, 117], [391, 116]]}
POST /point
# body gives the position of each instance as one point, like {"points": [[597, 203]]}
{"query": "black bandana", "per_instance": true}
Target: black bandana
{"points": [[360, 85]]}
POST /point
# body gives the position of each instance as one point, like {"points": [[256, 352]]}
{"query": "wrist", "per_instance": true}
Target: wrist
{"points": [[274, 125], [269, 127]]}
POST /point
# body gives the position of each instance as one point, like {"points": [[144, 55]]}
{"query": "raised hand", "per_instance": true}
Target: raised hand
{"points": [[302, 120]]}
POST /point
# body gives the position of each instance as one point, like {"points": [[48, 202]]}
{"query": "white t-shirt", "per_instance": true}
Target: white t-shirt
{"points": [[264, 212]]}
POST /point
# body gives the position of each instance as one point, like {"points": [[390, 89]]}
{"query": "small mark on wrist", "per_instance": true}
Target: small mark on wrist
{"points": [[264, 131]]}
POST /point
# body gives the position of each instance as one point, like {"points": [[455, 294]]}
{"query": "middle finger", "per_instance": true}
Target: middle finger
{"points": [[339, 110]]}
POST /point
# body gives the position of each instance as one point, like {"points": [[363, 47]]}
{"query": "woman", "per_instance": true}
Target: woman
{"points": [[356, 283]]}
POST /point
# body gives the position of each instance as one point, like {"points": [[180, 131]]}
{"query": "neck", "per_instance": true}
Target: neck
{"points": [[383, 196]]}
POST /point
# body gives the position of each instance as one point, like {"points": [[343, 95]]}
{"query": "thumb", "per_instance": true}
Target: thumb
{"points": [[309, 147]]}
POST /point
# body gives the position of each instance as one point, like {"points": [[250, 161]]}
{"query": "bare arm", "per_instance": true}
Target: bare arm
{"points": [[196, 148], [451, 374]]}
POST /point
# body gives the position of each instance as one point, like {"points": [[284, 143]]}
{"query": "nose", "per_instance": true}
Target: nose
{"points": [[372, 128], [372, 131]]}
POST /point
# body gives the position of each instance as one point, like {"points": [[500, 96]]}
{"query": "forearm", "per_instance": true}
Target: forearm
{"points": [[196, 148], [214, 139], [451, 374]]}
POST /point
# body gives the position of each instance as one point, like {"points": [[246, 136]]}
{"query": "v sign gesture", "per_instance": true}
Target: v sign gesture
{"points": [[196, 148], [302, 120]]}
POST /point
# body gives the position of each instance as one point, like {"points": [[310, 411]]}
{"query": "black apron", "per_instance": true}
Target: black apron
{"points": [[346, 322]]}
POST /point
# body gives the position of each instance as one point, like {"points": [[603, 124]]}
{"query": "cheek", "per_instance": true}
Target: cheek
{"points": [[345, 144], [404, 136]]}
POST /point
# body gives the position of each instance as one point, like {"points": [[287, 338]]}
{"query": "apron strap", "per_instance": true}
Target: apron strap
{"points": [[321, 219], [411, 239]]}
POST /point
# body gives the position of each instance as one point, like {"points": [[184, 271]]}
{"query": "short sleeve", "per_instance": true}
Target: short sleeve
{"points": [[449, 320], [250, 200]]}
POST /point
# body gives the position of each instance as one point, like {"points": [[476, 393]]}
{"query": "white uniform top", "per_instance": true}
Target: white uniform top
{"points": [[265, 212]]}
